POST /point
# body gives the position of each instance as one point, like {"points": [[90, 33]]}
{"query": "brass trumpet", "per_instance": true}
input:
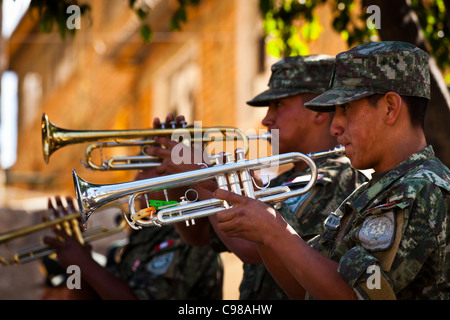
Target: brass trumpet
{"points": [[54, 138], [68, 222], [91, 196]]}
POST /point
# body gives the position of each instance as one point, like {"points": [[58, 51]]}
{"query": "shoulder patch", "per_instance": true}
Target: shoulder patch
{"points": [[160, 264], [377, 232], [295, 202]]}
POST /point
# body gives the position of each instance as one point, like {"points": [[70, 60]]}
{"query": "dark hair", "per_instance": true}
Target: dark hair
{"points": [[417, 107]]}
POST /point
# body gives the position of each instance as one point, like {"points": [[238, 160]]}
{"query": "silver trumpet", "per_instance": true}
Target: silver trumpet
{"points": [[229, 175]]}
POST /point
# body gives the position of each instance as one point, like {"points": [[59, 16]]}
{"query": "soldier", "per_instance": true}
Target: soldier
{"points": [[154, 264], [294, 81], [388, 239]]}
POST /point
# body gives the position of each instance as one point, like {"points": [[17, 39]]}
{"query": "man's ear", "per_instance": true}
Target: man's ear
{"points": [[321, 117], [393, 105]]}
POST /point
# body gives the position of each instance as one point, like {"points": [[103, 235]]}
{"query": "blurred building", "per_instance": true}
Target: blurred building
{"points": [[106, 77]]}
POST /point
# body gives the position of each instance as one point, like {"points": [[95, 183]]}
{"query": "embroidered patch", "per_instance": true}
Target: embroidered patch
{"points": [[295, 202], [160, 264], [377, 232]]}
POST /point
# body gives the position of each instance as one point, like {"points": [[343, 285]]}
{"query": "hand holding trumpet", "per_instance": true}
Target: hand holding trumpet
{"points": [[248, 218], [69, 249]]}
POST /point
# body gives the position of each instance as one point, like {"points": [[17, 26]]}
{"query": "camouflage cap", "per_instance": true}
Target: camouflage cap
{"points": [[295, 75], [377, 67]]}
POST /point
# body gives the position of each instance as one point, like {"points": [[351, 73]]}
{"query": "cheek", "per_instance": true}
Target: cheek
{"points": [[361, 137], [362, 129], [364, 142], [289, 126]]}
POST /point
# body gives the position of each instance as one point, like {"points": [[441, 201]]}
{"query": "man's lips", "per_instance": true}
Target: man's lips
{"points": [[343, 143]]}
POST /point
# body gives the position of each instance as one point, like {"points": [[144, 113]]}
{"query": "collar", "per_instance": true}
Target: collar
{"points": [[391, 176]]}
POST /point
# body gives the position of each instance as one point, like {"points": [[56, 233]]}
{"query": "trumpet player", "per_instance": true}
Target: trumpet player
{"points": [[389, 239], [154, 264], [294, 81]]}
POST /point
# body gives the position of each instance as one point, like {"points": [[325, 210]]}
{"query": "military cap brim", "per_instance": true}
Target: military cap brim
{"points": [[326, 102], [263, 99], [295, 75]]}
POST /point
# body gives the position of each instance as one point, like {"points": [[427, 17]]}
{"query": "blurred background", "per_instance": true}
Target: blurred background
{"points": [[127, 62]]}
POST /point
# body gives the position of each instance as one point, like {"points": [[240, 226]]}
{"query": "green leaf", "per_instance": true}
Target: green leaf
{"points": [[312, 30], [131, 3], [146, 33], [178, 16], [141, 13], [273, 48], [298, 47]]}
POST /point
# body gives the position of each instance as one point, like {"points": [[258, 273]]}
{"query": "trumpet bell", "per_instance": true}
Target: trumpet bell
{"points": [[81, 184], [84, 192], [47, 143]]}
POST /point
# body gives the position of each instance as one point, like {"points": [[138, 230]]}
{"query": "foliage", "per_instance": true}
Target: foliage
{"points": [[289, 25], [54, 12], [436, 28], [285, 37], [142, 10]]}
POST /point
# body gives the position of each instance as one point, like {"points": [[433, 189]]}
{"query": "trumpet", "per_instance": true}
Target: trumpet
{"points": [[54, 138], [71, 226], [228, 176]]}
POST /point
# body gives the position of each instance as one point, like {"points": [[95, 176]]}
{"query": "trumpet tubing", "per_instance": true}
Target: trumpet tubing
{"points": [[43, 250], [54, 138], [71, 226], [7, 236], [91, 196]]}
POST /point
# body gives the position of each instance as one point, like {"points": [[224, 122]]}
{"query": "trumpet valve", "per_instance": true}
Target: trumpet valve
{"points": [[217, 158], [245, 175], [220, 178]]}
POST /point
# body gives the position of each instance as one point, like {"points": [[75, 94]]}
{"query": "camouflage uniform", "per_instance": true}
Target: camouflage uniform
{"points": [[158, 265], [336, 180], [390, 236], [305, 213]]}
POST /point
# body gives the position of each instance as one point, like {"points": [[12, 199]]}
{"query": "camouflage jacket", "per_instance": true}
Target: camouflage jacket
{"points": [[158, 265], [391, 237], [306, 213]]}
